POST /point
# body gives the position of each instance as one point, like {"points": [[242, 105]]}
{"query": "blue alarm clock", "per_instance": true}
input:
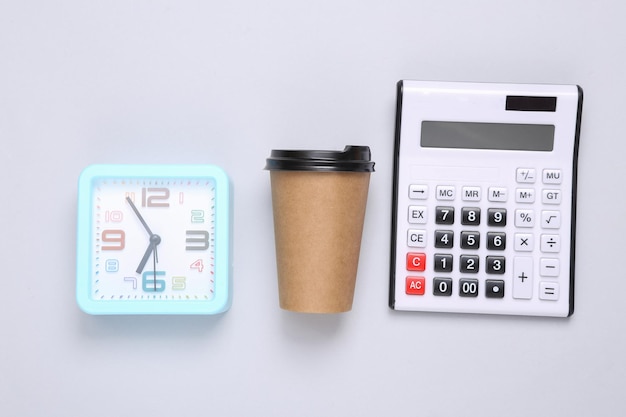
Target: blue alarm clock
{"points": [[153, 239]]}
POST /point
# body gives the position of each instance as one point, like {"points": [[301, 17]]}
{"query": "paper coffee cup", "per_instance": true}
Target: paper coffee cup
{"points": [[318, 200]]}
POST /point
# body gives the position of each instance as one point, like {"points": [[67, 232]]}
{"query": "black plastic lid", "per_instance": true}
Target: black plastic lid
{"points": [[352, 158]]}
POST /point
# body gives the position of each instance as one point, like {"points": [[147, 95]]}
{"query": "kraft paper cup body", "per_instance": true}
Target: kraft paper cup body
{"points": [[318, 224]]}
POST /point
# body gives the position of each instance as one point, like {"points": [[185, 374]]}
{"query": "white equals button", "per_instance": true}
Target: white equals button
{"points": [[549, 291]]}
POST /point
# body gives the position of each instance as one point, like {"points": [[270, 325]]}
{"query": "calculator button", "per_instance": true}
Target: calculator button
{"points": [[418, 192], [524, 218], [470, 240], [549, 291], [416, 238], [496, 264], [471, 194], [552, 176], [417, 214], [443, 262], [496, 241], [496, 217], [415, 261], [444, 238], [551, 197], [468, 287], [498, 194], [415, 285], [444, 215], [523, 277], [469, 264], [446, 192], [549, 267], [526, 175], [524, 242], [494, 288], [470, 216], [550, 243], [550, 219], [525, 195], [442, 286]]}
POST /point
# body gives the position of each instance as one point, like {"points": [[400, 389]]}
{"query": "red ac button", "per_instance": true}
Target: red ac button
{"points": [[415, 285], [415, 261]]}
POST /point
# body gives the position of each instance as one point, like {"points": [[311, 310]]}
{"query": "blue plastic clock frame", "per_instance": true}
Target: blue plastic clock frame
{"points": [[222, 300]]}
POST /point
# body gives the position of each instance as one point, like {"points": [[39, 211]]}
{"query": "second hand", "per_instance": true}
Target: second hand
{"points": [[155, 260]]}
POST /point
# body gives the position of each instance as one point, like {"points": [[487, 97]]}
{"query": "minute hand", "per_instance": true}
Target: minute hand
{"points": [[154, 240], [145, 225]]}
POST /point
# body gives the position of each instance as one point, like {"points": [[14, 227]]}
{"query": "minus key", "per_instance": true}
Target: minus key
{"points": [[550, 267]]}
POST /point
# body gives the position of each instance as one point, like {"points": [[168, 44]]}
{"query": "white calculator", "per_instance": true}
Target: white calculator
{"points": [[484, 198]]}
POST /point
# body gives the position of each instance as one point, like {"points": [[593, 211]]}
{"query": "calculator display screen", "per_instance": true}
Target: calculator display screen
{"points": [[472, 135]]}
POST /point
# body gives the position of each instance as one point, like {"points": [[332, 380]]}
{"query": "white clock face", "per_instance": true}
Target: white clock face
{"points": [[153, 239]]}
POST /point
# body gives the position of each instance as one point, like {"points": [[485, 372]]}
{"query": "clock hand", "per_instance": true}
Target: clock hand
{"points": [[145, 225], [142, 263], [154, 241], [155, 260]]}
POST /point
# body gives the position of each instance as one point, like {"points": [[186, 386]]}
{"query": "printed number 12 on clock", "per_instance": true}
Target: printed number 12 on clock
{"points": [[484, 198]]}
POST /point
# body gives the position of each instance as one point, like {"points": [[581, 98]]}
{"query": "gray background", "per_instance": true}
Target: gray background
{"points": [[86, 82]]}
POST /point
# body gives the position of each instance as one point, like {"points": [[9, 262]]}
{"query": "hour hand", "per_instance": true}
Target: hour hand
{"points": [[154, 241], [145, 258]]}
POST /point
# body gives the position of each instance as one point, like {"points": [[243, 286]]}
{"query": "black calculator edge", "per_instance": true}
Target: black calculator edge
{"points": [[394, 198], [574, 188]]}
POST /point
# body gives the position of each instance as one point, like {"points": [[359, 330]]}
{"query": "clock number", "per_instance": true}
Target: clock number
{"points": [[197, 240], [150, 284], [116, 237], [129, 195], [132, 280], [199, 265], [111, 265], [179, 283], [114, 216], [153, 197], [197, 216]]}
